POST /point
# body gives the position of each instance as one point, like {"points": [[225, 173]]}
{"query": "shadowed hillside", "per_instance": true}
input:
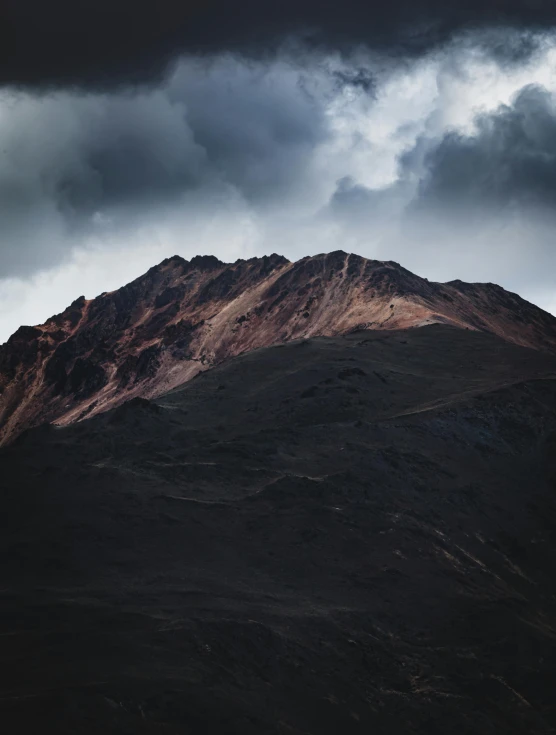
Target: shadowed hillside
{"points": [[337, 535]]}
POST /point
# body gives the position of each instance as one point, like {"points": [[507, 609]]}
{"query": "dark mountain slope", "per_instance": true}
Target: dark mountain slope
{"points": [[339, 535], [183, 317]]}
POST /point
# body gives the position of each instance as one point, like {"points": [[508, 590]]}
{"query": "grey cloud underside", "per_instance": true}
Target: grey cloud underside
{"points": [[105, 42], [489, 195], [509, 161], [75, 166]]}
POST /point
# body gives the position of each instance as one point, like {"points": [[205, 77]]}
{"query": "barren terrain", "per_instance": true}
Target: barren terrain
{"points": [[349, 534]]}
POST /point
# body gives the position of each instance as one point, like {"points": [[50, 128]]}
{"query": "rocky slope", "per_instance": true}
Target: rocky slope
{"points": [[351, 534], [182, 317]]}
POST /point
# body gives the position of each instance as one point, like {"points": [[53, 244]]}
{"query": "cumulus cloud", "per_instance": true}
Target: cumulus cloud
{"points": [[508, 161], [485, 196]]}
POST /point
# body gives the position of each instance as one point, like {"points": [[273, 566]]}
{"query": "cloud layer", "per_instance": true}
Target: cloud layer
{"points": [[108, 42]]}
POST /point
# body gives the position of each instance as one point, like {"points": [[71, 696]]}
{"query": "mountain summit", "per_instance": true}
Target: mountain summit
{"points": [[182, 317]]}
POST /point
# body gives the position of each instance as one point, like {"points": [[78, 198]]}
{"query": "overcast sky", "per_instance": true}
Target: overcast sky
{"points": [[410, 132]]}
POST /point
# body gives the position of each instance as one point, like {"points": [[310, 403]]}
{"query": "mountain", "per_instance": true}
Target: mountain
{"points": [[352, 534], [183, 317]]}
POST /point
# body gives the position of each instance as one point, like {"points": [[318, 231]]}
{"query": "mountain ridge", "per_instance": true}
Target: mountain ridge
{"points": [[182, 317]]}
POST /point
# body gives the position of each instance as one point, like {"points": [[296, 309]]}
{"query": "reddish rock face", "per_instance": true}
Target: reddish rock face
{"points": [[183, 317]]}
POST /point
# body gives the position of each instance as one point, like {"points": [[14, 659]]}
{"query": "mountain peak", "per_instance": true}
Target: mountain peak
{"points": [[206, 262], [183, 317]]}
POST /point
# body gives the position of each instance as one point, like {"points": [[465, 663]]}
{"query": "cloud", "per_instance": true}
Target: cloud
{"points": [[101, 43], [487, 197], [75, 167], [508, 161], [258, 123]]}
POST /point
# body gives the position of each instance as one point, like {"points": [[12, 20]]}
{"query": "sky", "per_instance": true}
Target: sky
{"points": [[405, 131]]}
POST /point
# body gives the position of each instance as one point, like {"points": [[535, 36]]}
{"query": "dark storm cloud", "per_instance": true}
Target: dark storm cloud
{"points": [[462, 202], [359, 78], [509, 161], [64, 160], [509, 46], [103, 42], [258, 124], [71, 165]]}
